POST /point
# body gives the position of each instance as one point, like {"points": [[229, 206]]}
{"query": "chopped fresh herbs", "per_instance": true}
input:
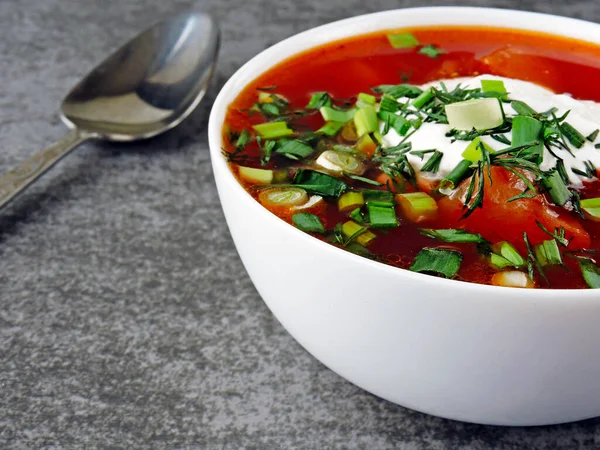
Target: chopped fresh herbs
{"points": [[319, 183], [402, 40], [590, 272], [437, 261], [593, 135], [318, 100], [453, 236], [574, 136], [293, 148], [308, 222], [431, 51], [273, 130], [382, 214], [433, 163]]}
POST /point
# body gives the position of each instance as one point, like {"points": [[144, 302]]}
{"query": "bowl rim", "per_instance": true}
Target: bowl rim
{"points": [[381, 21]]}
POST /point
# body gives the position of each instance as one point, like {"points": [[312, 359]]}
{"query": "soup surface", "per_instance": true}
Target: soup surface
{"points": [[466, 153]]}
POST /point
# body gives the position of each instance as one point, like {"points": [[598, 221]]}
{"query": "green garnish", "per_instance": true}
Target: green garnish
{"points": [[336, 115], [402, 40], [422, 100], [308, 222], [495, 87], [398, 90], [532, 262], [388, 104], [331, 128], [372, 195], [431, 51], [366, 99], [557, 189], [591, 206], [293, 148], [437, 261], [508, 253], [558, 235], [365, 120], [593, 135], [473, 151], [319, 183], [522, 108], [396, 122], [574, 136], [433, 163], [382, 214], [590, 272], [273, 130], [527, 129], [548, 253], [350, 201], [243, 140], [459, 173], [318, 100], [453, 236]]}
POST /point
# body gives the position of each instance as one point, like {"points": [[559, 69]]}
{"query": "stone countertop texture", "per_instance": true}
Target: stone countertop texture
{"points": [[126, 317]]}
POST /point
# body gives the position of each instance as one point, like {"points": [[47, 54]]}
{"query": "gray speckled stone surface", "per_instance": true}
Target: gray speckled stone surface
{"points": [[126, 317]]}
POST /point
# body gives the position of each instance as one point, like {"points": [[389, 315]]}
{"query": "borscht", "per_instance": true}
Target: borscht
{"points": [[460, 152]]}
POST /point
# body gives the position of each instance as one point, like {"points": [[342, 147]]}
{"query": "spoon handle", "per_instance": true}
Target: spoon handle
{"points": [[18, 179]]}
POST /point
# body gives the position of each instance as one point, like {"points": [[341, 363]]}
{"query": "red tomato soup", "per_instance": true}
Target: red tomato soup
{"points": [[488, 179]]}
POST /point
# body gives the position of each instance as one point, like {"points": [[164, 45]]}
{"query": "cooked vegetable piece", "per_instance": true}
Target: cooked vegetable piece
{"points": [[308, 222], [431, 51], [365, 120], [319, 183], [258, 176], [382, 214], [548, 253], [283, 196], [331, 128], [496, 86], [273, 130], [478, 114], [366, 146], [453, 235], [591, 272], [509, 253], [402, 40], [473, 150], [512, 278], [318, 100], [336, 115], [437, 261], [357, 232], [341, 162], [350, 201], [417, 206], [591, 206]]}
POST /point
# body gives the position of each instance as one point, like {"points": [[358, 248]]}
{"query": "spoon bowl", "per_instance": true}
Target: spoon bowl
{"points": [[148, 86]]}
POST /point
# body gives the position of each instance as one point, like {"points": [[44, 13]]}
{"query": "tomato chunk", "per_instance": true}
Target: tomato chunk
{"points": [[500, 220]]}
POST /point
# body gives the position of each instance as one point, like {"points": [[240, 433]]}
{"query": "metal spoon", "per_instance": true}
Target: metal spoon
{"points": [[148, 86]]}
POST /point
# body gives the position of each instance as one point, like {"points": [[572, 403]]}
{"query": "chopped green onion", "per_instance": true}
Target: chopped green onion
{"points": [[422, 99], [522, 108], [318, 100], [548, 253], [526, 129], [557, 189], [294, 147], [453, 236], [365, 120], [366, 145], [433, 163], [350, 201], [478, 114], [500, 262], [496, 86], [331, 128], [398, 90], [591, 272], [372, 195], [357, 216], [592, 207], [341, 162], [319, 183], [388, 104], [360, 234], [431, 51], [253, 175], [270, 109], [459, 173], [283, 196], [402, 40], [243, 140], [593, 135], [574, 136], [272, 130], [367, 99], [336, 115], [398, 123], [507, 251], [382, 214], [473, 150], [308, 222], [437, 261], [417, 206]]}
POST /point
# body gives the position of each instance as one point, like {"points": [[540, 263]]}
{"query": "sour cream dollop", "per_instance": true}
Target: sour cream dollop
{"points": [[584, 116]]}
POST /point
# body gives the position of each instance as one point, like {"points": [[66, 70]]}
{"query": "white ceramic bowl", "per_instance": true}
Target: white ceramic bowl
{"points": [[463, 351]]}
